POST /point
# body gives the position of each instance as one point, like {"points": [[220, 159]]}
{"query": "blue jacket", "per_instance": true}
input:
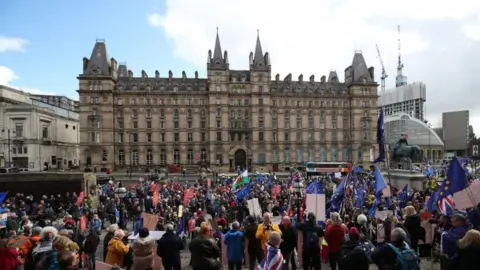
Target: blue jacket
{"points": [[450, 238], [235, 248]]}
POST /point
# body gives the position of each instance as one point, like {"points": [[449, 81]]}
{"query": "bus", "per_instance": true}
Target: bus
{"points": [[317, 168]]}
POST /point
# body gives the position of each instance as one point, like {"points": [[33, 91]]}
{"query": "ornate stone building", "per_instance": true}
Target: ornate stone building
{"points": [[230, 118]]}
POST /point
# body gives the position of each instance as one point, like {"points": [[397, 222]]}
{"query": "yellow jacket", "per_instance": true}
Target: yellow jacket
{"points": [[116, 250], [262, 234]]}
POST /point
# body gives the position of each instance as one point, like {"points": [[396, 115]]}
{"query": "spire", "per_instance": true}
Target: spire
{"points": [[219, 59], [217, 52], [99, 63], [258, 58], [400, 79], [360, 70]]}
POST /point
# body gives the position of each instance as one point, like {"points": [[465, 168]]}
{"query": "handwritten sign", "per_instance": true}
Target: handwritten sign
{"points": [[149, 221]]}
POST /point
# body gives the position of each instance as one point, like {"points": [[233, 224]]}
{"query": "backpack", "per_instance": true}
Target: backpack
{"points": [[312, 240], [407, 258]]}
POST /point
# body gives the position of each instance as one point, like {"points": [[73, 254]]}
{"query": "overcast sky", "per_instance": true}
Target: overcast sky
{"points": [[440, 40]]}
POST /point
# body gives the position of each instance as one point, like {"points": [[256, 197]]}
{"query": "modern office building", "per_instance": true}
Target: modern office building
{"points": [[35, 134], [406, 98], [455, 127], [248, 118]]}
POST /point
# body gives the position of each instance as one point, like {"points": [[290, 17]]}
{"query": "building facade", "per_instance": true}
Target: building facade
{"points": [[36, 135], [405, 98], [456, 132], [418, 133], [231, 118]]}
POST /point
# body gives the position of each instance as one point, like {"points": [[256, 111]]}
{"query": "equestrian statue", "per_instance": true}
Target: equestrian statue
{"points": [[401, 151]]}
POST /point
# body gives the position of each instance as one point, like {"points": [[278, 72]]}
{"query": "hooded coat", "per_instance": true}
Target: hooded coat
{"points": [[143, 253]]}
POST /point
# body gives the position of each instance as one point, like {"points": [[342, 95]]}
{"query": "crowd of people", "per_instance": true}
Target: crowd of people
{"points": [[63, 231]]}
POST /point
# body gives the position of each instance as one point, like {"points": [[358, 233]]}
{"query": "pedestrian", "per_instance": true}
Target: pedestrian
{"points": [[143, 250], [169, 247]]}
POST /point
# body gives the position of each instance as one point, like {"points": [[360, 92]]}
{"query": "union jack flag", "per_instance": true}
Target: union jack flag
{"points": [[446, 204], [273, 259]]}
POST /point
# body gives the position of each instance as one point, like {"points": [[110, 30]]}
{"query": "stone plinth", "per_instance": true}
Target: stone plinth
{"points": [[399, 178]]}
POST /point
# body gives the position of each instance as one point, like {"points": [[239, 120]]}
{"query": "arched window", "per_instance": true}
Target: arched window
{"points": [[175, 114], [121, 158], [274, 114], [203, 154], [286, 114], [310, 114], [299, 114], [203, 114], [163, 157], [134, 113], [190, 156], [176, 156]]}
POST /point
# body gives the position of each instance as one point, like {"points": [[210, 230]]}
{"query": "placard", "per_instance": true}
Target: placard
{"points": [[316, 204], [149, 221], [469, 197], [254, 207]]}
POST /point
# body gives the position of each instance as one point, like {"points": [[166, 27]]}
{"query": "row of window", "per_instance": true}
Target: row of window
{"points": [[233, 114], [19, 130], [191, 158], [134, 157], [203, 137]]}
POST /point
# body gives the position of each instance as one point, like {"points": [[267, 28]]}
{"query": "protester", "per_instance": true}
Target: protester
{"points": [[469, 251], [311, 233], [234, 241], [264, 229], [352, 256], [143, 250], [168, 248], [289, 242], [109, 236], [334, 235], [397, 254], [90, 247], [204, 252], [254, 247], [117, 250]]}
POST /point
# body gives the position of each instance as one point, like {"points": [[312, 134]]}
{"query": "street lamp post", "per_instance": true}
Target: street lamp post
{"points": [[298, 188], [121, 193]]}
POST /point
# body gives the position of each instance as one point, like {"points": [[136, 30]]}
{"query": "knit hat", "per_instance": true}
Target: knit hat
{"points": [[354, 231]]}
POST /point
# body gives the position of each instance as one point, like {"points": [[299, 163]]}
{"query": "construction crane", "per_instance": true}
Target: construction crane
{"points": [[384, 73]]}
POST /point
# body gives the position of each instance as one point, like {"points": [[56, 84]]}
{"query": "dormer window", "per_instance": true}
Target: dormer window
{"points": [[244, 78], [234, 79]]}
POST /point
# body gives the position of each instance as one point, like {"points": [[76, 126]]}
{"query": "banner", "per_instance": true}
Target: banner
{"points": [[276, 191], [316, 204], [149, 221], [80, 198], [3, 220], [469, 197], [189, 194], [254, 207]]}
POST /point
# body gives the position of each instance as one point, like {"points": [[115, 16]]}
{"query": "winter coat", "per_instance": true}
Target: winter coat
{"points": [[143, 253], [115, 252]]}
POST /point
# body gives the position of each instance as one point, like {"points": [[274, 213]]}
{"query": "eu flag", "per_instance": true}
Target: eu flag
{"points": [[243, 193], [360, 196], [379, 184], [314, 188], [403, 196], [3, 196], [380, 139], [456, 176]]}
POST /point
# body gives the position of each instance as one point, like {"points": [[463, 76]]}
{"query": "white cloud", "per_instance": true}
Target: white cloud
{"points": [[309, 37], [12, 44], [7, 76], [313, 36]]}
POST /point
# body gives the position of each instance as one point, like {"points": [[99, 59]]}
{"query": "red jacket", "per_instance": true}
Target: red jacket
{"points": [[334, 236], [9, 258]]}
